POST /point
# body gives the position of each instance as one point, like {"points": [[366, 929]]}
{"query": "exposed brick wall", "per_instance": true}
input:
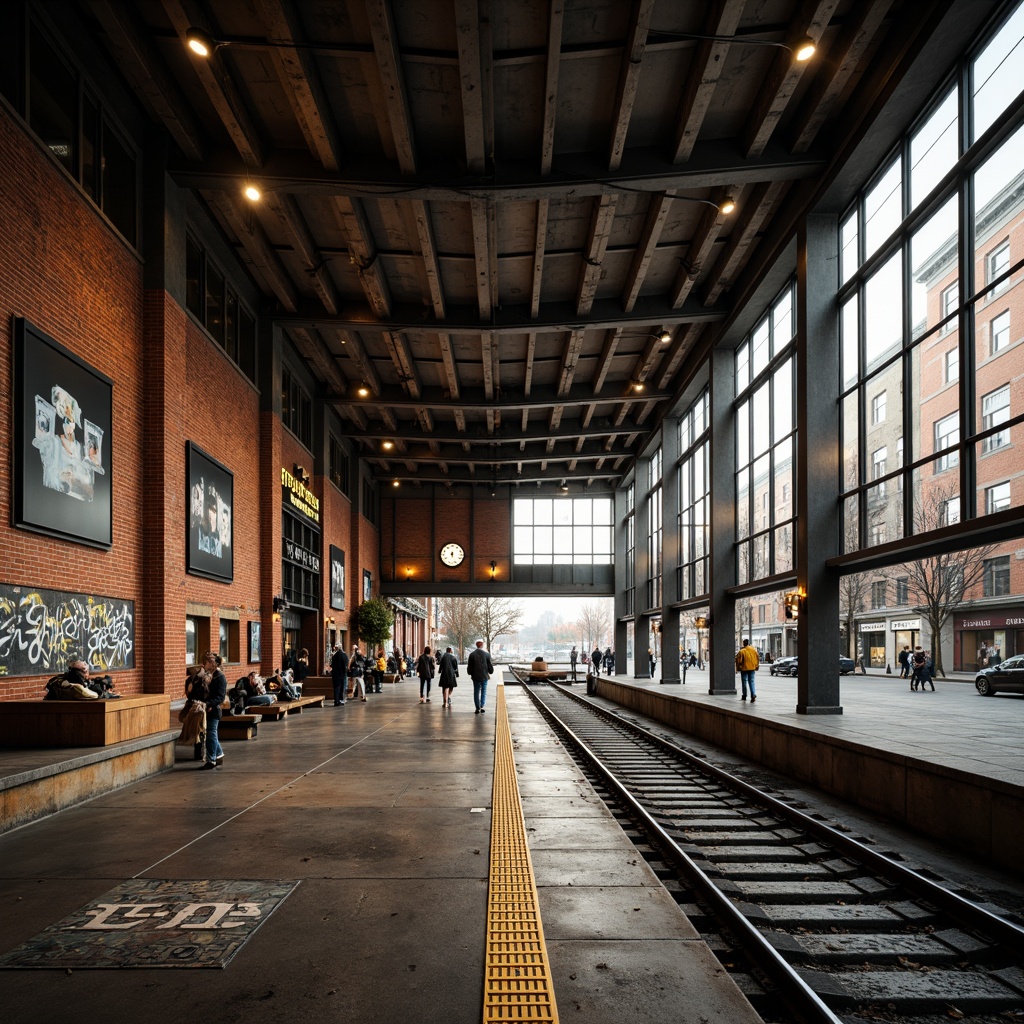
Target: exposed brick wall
{"points": [[336, 514], [221, 415], [66, 271]]}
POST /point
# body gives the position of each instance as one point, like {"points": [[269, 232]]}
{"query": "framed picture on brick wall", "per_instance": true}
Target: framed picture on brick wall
{"points": [[209, 550], [337, 578], [63, 441], [255, 641]]}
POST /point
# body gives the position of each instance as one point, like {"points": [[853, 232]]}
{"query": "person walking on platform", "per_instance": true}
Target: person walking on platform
{"points": [[356, 669], [448, 671], [217, 695], [425, 670], [574, 656], [479, 666], [747, 664], [339, 674], [609, 662], [595, 661]]}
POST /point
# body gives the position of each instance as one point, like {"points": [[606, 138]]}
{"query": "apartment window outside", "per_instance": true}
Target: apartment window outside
{"points": [[996, 576], [877, 535], [562, 531], [952, 365], [878, 589], [950, 302], [1000, 332], [995, 409], [949, 511], [947, 433], [878, 409], [903, 590], [997, 498], [997, 262]]}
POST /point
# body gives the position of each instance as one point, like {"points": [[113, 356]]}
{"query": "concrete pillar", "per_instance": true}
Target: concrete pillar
{"points": [[817, 463], [641, 569], [722, 470], [621, 612]]}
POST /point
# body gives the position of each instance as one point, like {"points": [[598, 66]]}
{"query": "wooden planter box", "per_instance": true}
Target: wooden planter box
{"points": [[82, 723]]}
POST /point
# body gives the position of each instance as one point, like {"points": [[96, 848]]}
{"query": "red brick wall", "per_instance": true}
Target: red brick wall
{"points": [[336, 515], [65, 270], [222, 417], [415, 529]]}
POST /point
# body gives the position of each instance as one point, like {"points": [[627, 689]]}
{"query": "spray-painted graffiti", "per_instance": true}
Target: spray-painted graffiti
{"points": [[41, 630]]}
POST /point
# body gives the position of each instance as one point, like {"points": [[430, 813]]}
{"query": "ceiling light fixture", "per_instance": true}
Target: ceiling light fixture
{"points": [[252, 193], [803, 50], [664, 337], [727, 205], [201, 43], [387, 445], [363, 391], [394, 483], [636, 385]]}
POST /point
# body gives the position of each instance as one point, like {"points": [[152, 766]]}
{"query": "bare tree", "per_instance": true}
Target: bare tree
{"points": [[594, 625], [460, 622], [499, 616], [939, 582], [852, 591]]}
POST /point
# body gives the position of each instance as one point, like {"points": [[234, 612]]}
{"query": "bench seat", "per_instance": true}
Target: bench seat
{"points": [[239, 727], [294, 707]]}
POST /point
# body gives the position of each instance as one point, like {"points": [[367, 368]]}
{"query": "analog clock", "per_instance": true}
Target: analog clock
{"points": [[452, 554]]}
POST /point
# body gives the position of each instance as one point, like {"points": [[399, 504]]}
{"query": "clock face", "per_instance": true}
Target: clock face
{"points": [[452, 554]]}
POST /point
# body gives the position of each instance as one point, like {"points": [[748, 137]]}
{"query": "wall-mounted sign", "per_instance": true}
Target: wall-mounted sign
{"points": [[296, 554], [299, 497], [1011, 619], [872, 627], [902, 624]]}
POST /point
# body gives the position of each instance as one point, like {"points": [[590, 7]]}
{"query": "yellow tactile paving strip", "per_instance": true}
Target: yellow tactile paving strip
{"points": [[517, 976]]}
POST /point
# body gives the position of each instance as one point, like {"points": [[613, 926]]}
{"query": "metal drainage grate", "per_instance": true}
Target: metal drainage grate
{"points": [[517, 979]]}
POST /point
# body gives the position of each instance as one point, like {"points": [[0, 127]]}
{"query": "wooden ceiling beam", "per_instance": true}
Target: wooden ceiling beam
{"points": [[777, 90], [389, 67], [601, 221], [428, 250], [539, 245], [657, 213], [711, 224], [629, 78], [256, 247], [218, 84], [705, 70], [133, 48], [287, 209], [442, 435], [552, 64], [363, 253]]}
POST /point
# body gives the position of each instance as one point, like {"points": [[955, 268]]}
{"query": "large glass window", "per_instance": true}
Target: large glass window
{"points": [[562, 531], [694, 500], [296, 408], [765, 439], [996, 576], [995, 409]]}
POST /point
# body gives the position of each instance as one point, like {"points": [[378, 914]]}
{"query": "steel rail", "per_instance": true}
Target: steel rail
{"points": [[967, 912], [798, 996]]}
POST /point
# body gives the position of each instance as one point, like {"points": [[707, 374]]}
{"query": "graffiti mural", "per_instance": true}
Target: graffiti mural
{"points": [[41, 630]]}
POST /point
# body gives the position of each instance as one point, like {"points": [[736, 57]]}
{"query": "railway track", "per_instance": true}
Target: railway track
{"points": [[814, 925]]}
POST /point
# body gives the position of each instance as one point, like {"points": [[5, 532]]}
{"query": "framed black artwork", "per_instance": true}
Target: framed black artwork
{"points": [[209, 550], [63, 442], [255, 638], [337, 578], [367, 585]]}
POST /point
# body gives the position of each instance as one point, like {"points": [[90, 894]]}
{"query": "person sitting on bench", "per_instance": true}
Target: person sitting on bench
{"points": [[255, 690]]}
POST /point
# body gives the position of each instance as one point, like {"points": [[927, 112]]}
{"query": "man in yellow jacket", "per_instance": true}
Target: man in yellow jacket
{"points": [[747, 664]]}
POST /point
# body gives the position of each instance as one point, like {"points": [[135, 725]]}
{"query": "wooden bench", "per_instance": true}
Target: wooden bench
{"points": [[294, 707], [238, 727], [82, 723]]}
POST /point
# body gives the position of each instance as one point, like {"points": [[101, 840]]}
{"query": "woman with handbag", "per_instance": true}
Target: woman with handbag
{"points": [[356, 668]]}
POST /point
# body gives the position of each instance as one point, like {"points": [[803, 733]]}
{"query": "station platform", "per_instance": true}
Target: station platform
{"points": [[947, 764], [337, 868]]}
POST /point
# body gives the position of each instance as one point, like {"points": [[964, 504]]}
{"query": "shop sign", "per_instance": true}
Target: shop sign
{"points": [[872, 627], [296, 554], [903, 624], [299, 497], [988, 621]]}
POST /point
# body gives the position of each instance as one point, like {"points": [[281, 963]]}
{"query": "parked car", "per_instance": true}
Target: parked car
{"points": [[788, 666], [1006, 677]]}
